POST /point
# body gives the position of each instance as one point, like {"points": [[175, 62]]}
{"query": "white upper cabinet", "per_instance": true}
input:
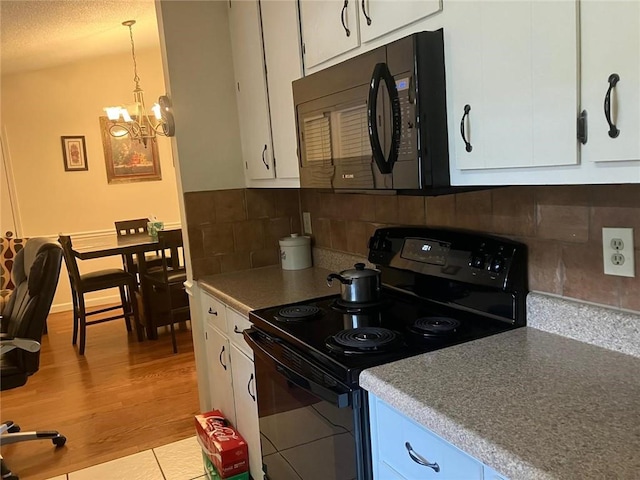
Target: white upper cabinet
{"points": [[284, 65], [329, 28], [265, 44], [610, 93], [378, 17], [512, 82], [251, 89]]}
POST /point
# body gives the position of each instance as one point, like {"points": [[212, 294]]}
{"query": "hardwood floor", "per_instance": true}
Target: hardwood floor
{"points": [[122, 397]]}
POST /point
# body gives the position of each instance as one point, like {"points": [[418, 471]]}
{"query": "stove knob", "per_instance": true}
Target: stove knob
{"points": [[497, 264], [477, 261]]}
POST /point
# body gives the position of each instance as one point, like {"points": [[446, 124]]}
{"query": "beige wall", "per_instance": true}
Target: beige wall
{"points": [[41, 106]]}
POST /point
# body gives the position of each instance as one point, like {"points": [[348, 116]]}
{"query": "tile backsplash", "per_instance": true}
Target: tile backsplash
{"points": [[562, 225]]}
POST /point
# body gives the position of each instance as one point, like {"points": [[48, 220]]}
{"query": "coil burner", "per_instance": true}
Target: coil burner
{"points": [[434, 327], [364, 340], [298, 313]]}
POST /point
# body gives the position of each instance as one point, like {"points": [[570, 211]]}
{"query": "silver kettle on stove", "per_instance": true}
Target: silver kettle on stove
{"points": [[358, 285]]}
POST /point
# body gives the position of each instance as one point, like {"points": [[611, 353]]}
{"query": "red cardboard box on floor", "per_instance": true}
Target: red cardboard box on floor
{"points": [[222, 444]]}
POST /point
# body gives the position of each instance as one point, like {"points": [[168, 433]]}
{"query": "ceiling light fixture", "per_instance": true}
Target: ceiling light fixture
{"points": [[133, 119]]}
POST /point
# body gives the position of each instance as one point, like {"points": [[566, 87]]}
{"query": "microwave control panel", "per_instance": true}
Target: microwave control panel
{"points": [[408, 142]]}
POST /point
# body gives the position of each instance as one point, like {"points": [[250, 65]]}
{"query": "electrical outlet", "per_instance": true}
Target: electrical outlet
{"points": [[617, 252], [306, 223]]}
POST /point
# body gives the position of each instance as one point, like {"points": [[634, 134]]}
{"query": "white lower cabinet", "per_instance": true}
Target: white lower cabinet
{"points": [[404, 450], [231, 375], [219, 367]]}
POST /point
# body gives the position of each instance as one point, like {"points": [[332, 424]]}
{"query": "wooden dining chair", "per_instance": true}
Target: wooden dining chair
{"points": [[94, 281], [136, 226], [164, 286]]}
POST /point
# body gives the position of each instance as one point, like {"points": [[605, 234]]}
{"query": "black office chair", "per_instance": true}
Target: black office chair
{"points": [[168, 299], [35, 274], [94, 281]]}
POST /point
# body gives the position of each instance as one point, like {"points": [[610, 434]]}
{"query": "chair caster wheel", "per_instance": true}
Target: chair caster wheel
{"points": [[59, 441], [14, 428]]}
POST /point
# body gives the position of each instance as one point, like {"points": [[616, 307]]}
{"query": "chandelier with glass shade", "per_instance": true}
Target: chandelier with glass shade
{"points": [[133, 119]]}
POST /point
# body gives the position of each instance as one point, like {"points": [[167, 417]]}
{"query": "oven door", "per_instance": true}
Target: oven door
{"points": [[311, 425]]}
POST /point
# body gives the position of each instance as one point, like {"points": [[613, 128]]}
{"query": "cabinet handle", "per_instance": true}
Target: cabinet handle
{"points": [[249, 388], [614, 78], [344, 9], [582, 127], [263, 160], [364, 12], [212, 312], [237, 330], [419, 459], [467, 145], [220, 358]]}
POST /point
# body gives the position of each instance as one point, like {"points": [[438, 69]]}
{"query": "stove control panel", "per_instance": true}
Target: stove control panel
{"points": [[452, 254]]}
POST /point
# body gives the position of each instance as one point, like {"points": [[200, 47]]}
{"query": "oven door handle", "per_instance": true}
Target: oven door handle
{"points": [[338, 394]]}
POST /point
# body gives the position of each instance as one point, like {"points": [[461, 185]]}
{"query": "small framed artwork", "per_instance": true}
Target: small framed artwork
{"points": [[74, 153], [128, 160]]}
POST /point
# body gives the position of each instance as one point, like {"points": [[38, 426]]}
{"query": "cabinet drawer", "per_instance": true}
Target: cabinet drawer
{"points": [[397, 434], [214, 312], [236, 323]]}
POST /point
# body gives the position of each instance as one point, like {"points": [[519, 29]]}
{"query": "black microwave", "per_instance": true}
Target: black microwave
{"points": [[377, 121]]}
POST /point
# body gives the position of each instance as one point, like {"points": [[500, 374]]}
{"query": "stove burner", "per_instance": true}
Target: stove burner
{"points": [[358, 307], [363, 340], [299, 312], [435, 326]]}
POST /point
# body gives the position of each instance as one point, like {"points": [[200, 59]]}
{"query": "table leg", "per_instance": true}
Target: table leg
{"points": [[149, 326]]}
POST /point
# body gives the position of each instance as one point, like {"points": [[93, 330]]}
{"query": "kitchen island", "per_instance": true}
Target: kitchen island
{"points": [[530, 404]]}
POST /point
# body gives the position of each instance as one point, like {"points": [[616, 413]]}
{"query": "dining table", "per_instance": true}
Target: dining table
{"points": [[127, 246]]}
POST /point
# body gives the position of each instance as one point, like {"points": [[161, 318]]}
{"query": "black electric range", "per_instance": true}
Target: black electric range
{"points": [[439, 288]]}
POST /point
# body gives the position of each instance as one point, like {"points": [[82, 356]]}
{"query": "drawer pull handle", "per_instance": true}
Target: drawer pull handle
{"points": [[249, 388], [467, 146], [212, 312], [347, 32], [220, 358], [614, 78], [419, 459], [237, 330], [364, 12]]}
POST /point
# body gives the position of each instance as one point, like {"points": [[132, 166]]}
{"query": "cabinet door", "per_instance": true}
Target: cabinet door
{"points": [[514, 64], [251, 89], [246, 408], [610, 44], [219, 367], [329, 28], [378, 17], [284, 65]]}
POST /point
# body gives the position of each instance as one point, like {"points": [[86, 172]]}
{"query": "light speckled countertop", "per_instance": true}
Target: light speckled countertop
{"points": [[268, 286], [530, 404]]}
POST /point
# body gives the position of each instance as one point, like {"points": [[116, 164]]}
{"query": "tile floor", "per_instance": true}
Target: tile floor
{"points": [[180, 460]]}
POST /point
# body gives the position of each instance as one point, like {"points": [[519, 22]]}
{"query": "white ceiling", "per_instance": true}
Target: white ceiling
{"points": [[43, 33]]}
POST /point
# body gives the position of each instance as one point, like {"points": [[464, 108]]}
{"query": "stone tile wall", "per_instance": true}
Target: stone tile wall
{"points": [[562, 225], [232, 230]]}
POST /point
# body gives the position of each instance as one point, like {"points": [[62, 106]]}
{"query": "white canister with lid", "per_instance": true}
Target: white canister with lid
{"points": [[295, 252]]}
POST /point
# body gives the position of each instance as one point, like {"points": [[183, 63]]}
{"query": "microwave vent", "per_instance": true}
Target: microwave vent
{"points": [[317, 140], [353, 133]]}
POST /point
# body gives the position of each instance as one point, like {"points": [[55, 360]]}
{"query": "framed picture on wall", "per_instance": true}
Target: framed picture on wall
{"points": [[74, 153], [128, 160]]}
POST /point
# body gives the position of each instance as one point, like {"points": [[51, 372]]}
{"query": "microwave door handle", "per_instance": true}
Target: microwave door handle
{"points": [[381, 73]]}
